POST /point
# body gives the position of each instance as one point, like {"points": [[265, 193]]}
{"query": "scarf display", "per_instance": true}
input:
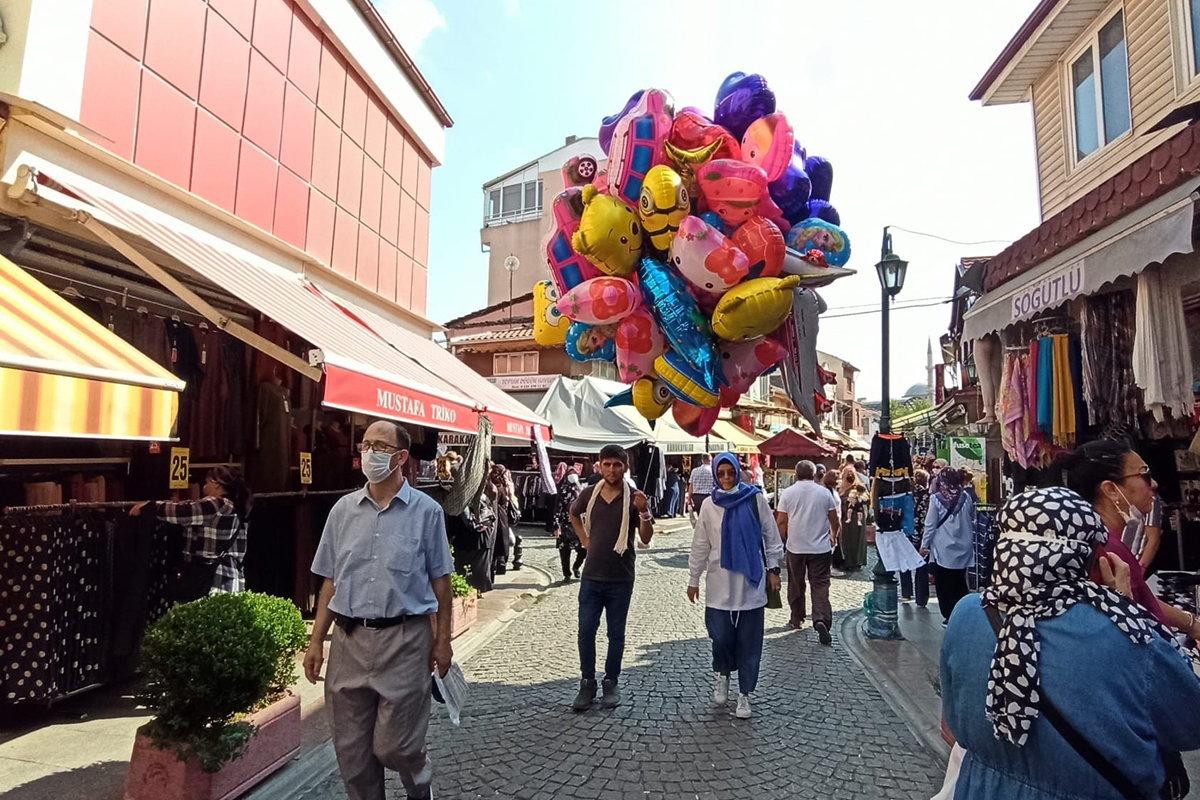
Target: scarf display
{"points": [[1109, 385], [470, 477], [1162, 359], [1046, 539], [622, 543], [741, 528]]}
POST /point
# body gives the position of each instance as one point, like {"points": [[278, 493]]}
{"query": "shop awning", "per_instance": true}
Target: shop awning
{"points": [[64, 374], [792, 443], [1148, 235], [740, 441], [575, 407], [371, 366]]}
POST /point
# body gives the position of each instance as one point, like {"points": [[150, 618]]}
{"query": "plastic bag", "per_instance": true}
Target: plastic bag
{"points": [[451, 690]]}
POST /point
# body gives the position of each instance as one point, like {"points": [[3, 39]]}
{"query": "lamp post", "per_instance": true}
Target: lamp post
{"points": [[882, 622], [511, 265]]}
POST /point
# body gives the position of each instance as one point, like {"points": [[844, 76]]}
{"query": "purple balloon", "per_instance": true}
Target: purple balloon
{"points": [[823, 209], [821, 172], [608, 124], [741, 100], [791, 190]]}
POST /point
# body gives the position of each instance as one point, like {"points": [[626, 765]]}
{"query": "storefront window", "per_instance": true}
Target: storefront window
{"points": [[1100, 89]]}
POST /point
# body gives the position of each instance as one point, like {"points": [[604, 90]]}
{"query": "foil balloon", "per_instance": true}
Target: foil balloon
{"points": [[590, 343], [691, 130], [600, 301], [714, 220], [665, 295], [792, 189], [709, 261], [823, 209], [820, 172], [609, 234], [742, 99], [684, 381], [817, 234], [580, 170], [754, 308], [664, 203], [768, 143], [762, 242], [568, 269], [639, 343], [695, 420], [609, 124], [651, 398], [743, 362], [637, 144], [801, 378], [733, 189], [549, 326]]}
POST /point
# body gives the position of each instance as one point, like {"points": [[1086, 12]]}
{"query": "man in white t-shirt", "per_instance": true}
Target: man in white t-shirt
{"points": [[701, 483], [807, 515]]}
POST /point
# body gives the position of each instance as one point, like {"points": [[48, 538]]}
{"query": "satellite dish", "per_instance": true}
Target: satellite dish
{"points": [[512, 263]]}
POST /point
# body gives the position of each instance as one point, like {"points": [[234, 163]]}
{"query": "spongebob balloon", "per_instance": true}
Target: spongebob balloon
{"points": [[549, 325], [664, 204], [609, 234]]}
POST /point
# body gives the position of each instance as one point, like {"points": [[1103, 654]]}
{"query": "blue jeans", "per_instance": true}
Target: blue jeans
{"points": [[737, 640], [612, 599]]}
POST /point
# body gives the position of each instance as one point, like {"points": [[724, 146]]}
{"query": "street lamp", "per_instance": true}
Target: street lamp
{"points": [[511, 265], [882, 621]]}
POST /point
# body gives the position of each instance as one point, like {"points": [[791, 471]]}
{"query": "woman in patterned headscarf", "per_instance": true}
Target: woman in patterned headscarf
{"points": [[1044, 644]]}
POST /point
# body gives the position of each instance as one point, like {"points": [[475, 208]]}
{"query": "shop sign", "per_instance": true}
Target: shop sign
{"points": [[1049, 291], [523, 383], [306, 469], [969, 452], [179, 468], [678, 447], [455, 439]]}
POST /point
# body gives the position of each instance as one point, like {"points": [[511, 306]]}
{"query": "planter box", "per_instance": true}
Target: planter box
{"points": [[465, 612], [158, 775]]}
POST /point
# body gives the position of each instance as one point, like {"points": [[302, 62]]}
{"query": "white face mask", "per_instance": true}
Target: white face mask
{"points": [[1132, 513], [377, 466]]}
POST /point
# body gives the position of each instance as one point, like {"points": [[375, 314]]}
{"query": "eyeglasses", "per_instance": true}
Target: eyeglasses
{"points": [[1144, 475], [377, 447]]}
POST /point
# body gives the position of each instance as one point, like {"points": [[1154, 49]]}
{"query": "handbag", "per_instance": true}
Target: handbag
{"points": [[774, 599], [1176, 783]]}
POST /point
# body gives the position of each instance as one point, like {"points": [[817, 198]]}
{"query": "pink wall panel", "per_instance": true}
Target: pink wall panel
{"points": [[175, 42], [226, 70], [122, 22], [273, 31], [319, 242], [264, 105], [256, 186], [250, 107], [239, 13], [166, 125], [291, 209], [367, 272], [215, 161], [111, 83], [299, 117]]}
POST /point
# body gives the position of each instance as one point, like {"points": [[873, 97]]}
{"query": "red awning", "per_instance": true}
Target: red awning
{"points": [[790, 442]]}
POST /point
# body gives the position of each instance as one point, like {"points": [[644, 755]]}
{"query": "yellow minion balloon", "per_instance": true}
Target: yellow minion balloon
{"points": [[651, 398], [609, 235], [549, 326], [754, 308], [664, 204]]}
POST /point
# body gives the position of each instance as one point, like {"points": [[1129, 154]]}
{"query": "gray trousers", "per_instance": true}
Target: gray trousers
{"points": [[377, 687]]}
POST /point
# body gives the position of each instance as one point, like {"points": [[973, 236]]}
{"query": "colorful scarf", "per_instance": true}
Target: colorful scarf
{"points": [[1046, 539], [949, 487], [741, 529]]}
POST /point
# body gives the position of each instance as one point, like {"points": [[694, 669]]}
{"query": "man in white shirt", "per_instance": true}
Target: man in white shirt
{"points": [[807, 515], [701, 483]]}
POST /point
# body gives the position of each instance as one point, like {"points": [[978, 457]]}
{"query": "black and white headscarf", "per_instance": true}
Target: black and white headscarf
{"points": [[1046, 538]]}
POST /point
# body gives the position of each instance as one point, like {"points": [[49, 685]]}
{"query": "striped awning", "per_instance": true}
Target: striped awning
{"points": [[64, 374]]}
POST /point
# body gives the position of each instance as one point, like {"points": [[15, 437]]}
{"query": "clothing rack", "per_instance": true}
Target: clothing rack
{"points": [[69, 506]]}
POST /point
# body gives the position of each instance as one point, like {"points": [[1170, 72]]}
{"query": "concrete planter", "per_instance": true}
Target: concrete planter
{"points": [[465, 612], [158, 775]]}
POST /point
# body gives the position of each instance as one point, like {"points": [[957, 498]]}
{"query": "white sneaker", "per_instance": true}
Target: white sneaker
{"points": [[743, 707], [721, 693]]}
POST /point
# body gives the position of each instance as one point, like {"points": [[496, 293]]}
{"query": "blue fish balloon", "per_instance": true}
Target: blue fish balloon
{"points": [[666, 295]]}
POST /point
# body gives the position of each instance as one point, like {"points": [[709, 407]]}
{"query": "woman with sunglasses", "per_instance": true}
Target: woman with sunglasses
{"points": [[1115, 480]]}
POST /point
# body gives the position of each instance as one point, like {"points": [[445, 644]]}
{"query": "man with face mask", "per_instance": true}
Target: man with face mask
{"points": [[386, 563]]}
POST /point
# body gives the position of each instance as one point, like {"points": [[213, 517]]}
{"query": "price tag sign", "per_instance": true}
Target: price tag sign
{"points": [[306, 469], [180, 459]]}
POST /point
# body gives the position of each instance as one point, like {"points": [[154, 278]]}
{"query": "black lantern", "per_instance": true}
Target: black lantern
{"points": [[891, 273]]}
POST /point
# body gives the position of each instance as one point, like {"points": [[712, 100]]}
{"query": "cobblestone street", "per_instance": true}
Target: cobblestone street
{"points": [[819, 730]]}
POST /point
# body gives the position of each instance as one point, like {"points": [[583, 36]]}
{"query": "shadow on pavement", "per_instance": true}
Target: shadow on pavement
{"points": [[104, 780]]}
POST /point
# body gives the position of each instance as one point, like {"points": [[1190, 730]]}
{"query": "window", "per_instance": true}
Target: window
{"points": [[493, 209], [1100, 89], [531, 201], [604, 369], [515, 363], [514, 202], [1191, 44]]}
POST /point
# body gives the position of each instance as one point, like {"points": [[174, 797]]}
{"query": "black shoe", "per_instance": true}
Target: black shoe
{"points": [[822, 629], [577, 572], [566, 579], [612, 695], [587, 694], [515, 567], [501, 570]]}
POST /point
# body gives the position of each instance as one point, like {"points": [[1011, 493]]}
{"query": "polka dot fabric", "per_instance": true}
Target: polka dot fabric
{"points": [[1046, 538]]}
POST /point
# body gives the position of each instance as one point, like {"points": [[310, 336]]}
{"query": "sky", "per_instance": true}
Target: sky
{"points": [[878, 87]]}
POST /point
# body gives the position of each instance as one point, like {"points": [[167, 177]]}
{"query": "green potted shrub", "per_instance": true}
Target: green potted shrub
{"points": [[217, 674], [466, 605]]}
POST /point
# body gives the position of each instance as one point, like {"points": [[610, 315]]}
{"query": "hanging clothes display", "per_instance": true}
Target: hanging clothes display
{"points": [[1162, 360], [274, 420], [1109, 386], [1064, 392]]}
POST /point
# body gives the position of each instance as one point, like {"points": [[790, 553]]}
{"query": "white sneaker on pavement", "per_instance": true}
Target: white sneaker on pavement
{"points": [[721, 693], [743, 707]]}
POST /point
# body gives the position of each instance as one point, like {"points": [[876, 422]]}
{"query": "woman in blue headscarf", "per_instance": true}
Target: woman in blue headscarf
{"points": [[737, 544]]}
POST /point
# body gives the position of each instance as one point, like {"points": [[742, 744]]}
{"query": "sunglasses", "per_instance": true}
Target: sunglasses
{"points": [[1144, 475]]}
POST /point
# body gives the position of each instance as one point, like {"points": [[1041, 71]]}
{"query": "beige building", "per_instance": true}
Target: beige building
{"points": [[848, 412], [517, 215]]}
